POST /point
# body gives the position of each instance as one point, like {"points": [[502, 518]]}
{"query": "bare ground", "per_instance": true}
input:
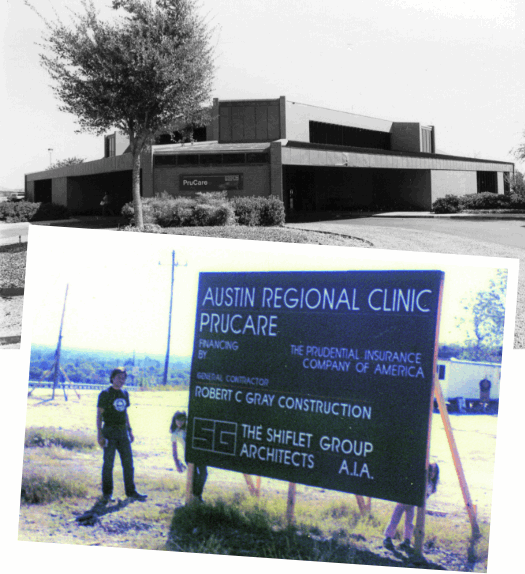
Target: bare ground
{"points": [[151, 413]]}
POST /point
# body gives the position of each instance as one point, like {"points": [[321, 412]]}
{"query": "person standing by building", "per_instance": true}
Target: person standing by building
{"points": [[105, 204], [115, 434]]}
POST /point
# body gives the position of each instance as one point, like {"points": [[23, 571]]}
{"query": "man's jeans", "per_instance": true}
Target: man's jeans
{"points": [[199, 480], [118, 440]]}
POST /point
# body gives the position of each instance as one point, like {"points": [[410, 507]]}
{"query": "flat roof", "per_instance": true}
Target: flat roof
{"points": [[210, 146], [331, 147]]}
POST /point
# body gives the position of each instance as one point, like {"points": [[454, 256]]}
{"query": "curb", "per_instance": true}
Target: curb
{"points": [[11, 291], [10, 340], [410, 215]]}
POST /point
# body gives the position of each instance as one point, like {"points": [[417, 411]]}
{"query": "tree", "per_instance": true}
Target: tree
{"points": [[516, 182], [145, 73], [519, 151], [65, 162], [485, 332]]}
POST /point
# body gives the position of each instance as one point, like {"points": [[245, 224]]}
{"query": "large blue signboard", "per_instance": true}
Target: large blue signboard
{"points": [[318, 378]]}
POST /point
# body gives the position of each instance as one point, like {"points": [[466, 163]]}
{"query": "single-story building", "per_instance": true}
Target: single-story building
{"points": [[313, 158]]}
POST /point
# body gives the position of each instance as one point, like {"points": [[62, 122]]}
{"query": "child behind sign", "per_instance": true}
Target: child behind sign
{"points": [[433, 478], [178, 435]]}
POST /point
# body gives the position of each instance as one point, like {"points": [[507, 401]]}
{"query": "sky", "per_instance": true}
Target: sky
{"points": [[455, 64], [108, 271]]}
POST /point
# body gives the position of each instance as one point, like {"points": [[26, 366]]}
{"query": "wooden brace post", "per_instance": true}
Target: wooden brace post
{"points": [[471, 509], [290, 506], [254, 490], [189, 483]]}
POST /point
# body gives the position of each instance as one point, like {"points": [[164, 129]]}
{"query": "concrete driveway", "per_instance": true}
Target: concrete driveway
{"points": [[13, 233], [496, 237], [17, 232], [509, 232]]}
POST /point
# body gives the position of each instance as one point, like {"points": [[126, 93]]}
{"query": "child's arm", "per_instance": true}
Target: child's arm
{"points": [[178, 464]]}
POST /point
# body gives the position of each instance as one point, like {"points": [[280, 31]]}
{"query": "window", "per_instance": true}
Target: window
{"points": [[506, 182], [335, 134], [211, 159], [165, 160], [109, 146], [233, 158], [258, 157], [487, 181], [441, 372], [188, 159], [426, 140]]}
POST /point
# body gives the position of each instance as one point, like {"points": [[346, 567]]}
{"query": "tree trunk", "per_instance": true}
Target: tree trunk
{"points": [[137, 202]]}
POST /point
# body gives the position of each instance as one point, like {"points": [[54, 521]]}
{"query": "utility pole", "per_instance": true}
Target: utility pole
{"points": [[167, 361], [57, 353], [50, 150]]}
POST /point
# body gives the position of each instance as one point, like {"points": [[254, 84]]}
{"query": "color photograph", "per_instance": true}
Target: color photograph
{"points": [[305, 383]]}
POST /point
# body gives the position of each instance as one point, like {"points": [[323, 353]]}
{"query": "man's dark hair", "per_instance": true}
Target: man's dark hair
{"points": [[116, 372], [178, 416]]}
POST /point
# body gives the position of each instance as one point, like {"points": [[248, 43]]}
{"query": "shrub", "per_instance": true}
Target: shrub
{"points": [[247, 210], [447, 204], [211, 197], [176, 212], [484, 200], [38, 488], [272, 211], [214, 215], [148, 228], [209, 210], [127, 210], [254, 211], [13, 212], [517, 201]]}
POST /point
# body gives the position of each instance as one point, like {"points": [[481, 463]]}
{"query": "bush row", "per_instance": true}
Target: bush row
{"points": [[477, 201], [209, 209], [16, 211]]}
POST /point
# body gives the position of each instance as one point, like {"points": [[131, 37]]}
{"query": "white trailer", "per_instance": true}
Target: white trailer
{"points": [[470, 385]]}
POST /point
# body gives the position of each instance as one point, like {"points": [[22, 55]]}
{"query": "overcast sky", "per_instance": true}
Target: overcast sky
{"points": [[119, 283], [456, 64]]}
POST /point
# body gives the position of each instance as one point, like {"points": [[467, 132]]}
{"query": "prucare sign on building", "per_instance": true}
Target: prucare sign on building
{"points": [[220, 182], [318, 378]]}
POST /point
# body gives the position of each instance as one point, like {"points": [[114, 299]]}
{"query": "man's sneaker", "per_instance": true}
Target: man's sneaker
{"points": [[387, 543], [107, 498], [405, 545], [137, 496]]}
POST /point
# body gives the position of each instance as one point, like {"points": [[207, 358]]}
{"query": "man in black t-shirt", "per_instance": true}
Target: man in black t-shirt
{"points": [[115, 434]]}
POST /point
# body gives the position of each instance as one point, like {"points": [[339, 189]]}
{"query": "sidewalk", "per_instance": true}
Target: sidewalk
{"points": [[331, 215], [86, 222]]}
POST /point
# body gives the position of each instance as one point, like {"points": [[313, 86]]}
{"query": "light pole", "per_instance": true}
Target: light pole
{"points": [[50, 150]]}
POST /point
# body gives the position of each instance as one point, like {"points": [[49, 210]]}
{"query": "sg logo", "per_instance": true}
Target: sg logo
{"points": [[214, 436]]}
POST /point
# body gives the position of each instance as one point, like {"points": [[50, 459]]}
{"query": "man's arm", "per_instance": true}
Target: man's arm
{"points": [[100, 438], [130, 432]]}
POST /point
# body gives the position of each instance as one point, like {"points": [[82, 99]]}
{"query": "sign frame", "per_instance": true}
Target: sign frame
{"points": [[285, 437]]}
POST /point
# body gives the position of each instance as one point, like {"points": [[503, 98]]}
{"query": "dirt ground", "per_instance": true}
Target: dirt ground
{"points": [[151, 414]]}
